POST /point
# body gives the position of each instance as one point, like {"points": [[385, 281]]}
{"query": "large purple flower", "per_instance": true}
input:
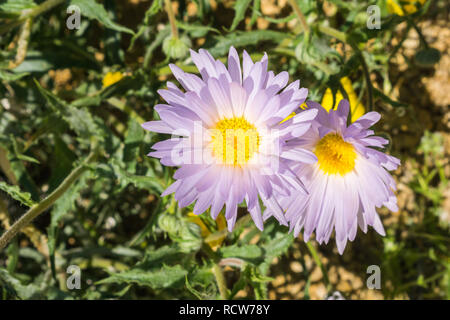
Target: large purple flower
{"points": [[347, 183], [227, 136]]}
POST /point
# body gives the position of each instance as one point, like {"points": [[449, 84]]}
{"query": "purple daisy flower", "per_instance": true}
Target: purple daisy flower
{"points": [[227, 136], [346, 184]]}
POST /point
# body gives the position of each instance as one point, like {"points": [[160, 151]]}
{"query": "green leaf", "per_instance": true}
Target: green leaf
{"points": [[427, 57], [61, 207], [10, 77], [157, 257], [189, 237], [65, 55], [196, 30], [16, 288], [133, 140], [275, 247], [117, 89], [80, 120], [63, 159], [94, 10], [377, 93], [241, 39], [17, 194], [13, 8], [16, 172], [66, 203], [250, 253], [142, 182], [278, 245], [240, 6], [156, 279], [255, 11]]}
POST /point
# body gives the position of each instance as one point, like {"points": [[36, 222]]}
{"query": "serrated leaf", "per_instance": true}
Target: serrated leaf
{"points": [[251, 253], [16, 288], [278, 245], [94, 10], [156, 279], [80, 120], [164, 255], [240, 6], [67, 201], [275, 247], [142, 182], [17, 194]]}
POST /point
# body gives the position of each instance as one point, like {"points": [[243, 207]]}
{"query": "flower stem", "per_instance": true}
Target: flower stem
{"points": [[367, 79], [37, 209], [316, 258], [299, 14], [172, 20], [217, 271], [220, 279]]}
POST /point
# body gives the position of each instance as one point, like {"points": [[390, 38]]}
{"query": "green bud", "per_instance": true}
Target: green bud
{"points": [[176, 48]]}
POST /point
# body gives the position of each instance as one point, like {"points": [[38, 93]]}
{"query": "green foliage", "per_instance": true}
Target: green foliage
{"points": [[15, 193], [129, 242], [240, 7], [164, 277], [94, 10], [13, 8]]}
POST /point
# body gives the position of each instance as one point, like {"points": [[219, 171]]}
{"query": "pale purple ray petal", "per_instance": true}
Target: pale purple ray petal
{"points": [[157, 126], [234, 66]]}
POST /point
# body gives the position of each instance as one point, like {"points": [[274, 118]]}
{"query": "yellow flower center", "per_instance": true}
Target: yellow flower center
{"points": [[234, 141], [334, 155]]}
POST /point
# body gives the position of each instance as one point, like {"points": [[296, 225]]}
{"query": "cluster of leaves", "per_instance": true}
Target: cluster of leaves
{"points": [[423, 249], [57, 114]]}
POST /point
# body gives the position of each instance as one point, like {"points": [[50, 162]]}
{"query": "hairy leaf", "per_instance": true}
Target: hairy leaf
{"points": [[17, 194]]}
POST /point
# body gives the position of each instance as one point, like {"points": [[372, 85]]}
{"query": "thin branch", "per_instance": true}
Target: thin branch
{"points": [[341, 36], [172, 20], [39, 208], [220, 279], [22, 44], [299, 14]]}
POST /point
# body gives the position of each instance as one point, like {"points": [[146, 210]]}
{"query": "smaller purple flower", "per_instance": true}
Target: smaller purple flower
{"points": [[347, 183]]}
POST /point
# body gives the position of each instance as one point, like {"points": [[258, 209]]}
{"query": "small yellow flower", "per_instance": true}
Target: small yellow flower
{"points": [[111, 78], [356, 107], [205, 232], [404, 7]]}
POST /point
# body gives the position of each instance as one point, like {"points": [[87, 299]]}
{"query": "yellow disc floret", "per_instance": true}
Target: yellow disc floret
{"points": [[234, 141], [334, 155]]}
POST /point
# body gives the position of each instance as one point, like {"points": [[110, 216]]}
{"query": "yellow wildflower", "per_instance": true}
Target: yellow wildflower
{"points": [[356, 107], [111, 78], [205, 232], [404, 7]]}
